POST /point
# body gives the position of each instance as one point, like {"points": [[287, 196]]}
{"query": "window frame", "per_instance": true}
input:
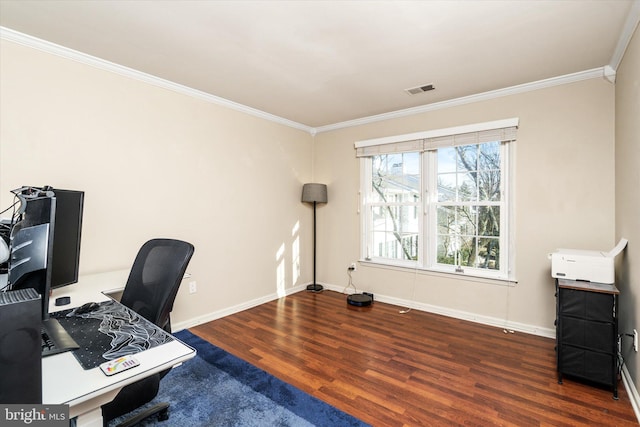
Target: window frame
{"points": [[427, 205]]}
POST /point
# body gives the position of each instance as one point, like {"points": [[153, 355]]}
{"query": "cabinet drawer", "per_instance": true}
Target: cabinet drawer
{"points": [[589, 365], [586, 333], [587, 305]]}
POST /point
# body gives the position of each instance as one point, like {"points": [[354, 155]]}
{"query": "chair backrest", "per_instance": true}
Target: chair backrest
{"points": [[155, 278]]}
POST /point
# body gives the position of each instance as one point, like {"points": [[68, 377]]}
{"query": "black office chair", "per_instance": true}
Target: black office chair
{"points": [[150, 291]]}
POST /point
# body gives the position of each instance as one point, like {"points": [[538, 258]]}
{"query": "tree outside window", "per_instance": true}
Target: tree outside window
{"points": [[468, 205]]}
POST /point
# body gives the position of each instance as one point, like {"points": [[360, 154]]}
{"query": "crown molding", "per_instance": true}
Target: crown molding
{"points": [[484, 96], [55, 49], [633, 18], [52, 48]]}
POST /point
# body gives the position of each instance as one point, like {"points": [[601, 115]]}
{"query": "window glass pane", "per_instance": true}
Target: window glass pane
{"points": [[395, 232], [387, 245], [467, 158], [489, 174], [489, 186], [466, 217], [448, 235], [447, 158], [467, 190], [489, 253], [446, 187], [489, 220], [400, 219], [489, 156], [377, 215], [395, 177], [468, 251], [446, 220], [446, 249]]}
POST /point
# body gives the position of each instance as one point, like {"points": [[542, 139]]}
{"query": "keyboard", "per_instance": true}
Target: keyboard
{"points": [[48, 346]]}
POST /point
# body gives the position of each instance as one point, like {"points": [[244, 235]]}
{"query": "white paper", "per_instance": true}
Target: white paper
{"points": [[619, 248]]}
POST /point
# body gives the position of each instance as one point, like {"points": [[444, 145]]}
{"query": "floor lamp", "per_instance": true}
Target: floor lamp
{"points": [[314, 193]]}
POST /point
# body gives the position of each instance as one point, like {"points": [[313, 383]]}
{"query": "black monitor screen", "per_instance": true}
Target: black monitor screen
{"points": [[65, 252]]}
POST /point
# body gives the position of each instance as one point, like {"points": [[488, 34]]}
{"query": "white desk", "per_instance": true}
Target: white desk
{"points": [[64, 381]]}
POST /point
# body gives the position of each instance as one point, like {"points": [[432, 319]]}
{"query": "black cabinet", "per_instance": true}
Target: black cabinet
{"points": [[587, 332]]}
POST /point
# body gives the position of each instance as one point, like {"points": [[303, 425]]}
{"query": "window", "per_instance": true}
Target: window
{"points": [[394, 205], [440, 202]]}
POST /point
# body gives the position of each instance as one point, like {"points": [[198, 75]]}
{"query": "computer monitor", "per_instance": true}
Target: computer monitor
{"points": [[45, 240], [67, 234]]}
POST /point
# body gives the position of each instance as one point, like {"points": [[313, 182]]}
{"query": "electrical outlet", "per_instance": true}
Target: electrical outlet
{"points": [[635, 340], [352, 266], [192, 287]]}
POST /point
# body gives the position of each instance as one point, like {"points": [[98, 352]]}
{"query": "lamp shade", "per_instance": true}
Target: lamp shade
{"points": [[314, 193]]}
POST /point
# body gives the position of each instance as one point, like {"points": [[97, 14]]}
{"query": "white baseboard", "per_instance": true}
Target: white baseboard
{"points": [[632, 391], [463, 315], [186, 324], [444, 311]]}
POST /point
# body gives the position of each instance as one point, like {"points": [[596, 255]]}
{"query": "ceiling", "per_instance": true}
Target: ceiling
{"points": [[321, 63]]}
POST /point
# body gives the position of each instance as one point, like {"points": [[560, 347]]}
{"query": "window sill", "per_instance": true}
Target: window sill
{"points": [[440, 273]]}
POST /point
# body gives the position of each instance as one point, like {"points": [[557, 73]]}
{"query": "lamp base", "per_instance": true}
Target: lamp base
{"points": [[315, 288]]}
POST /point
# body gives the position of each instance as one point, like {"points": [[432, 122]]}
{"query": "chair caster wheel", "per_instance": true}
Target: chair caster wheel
{"points": [[163, 415]]}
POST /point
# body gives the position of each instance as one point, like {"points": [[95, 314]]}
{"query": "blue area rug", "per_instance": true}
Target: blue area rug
{"points": [[216, 388]]}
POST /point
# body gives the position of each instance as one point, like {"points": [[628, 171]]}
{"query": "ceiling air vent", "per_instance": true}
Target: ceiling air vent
{"points": [[419, 89]]}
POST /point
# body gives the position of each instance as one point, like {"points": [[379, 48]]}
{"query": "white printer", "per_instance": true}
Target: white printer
{"points": [[592, 266]]}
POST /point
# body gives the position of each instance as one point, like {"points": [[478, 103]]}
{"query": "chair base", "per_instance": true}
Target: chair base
{"points": [[315, 288], [162, 409]]}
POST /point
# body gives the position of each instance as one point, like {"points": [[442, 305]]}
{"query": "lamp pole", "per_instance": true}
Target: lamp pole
{"points": [[314, 193], [314, 247]]}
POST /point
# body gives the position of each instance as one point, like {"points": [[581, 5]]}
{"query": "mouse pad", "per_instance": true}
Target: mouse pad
{"points": [[109, 331]]}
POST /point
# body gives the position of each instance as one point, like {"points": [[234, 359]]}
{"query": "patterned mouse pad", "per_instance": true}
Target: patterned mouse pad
{"points": [[109, 331]]}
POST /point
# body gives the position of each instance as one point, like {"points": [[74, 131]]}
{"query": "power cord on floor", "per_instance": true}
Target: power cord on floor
{"points": [[413, 291], [506, 329], [350, 285]]}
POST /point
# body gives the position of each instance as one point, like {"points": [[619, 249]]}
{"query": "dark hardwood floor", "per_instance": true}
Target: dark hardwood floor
{"points": [[413, 369]]}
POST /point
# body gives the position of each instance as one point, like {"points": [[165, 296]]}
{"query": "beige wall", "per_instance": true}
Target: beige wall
{"points": [[155, 163], [628, 197], [564, 185]]}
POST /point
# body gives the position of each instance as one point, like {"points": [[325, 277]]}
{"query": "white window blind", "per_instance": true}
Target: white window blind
{"points": [[500, 135], [500, 130], [416, 145]]}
